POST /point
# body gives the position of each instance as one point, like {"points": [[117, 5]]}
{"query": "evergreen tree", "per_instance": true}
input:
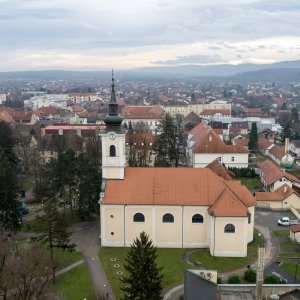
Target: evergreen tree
{"points": [[89, 183], [7, 142], [284, 106], [287, 132], [143, 281], [9, 211], [170, 142], [295, 115], [253, 139]]}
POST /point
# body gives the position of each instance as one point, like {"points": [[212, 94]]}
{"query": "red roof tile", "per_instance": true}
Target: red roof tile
{"points": [[143, 112], [179, 186]]}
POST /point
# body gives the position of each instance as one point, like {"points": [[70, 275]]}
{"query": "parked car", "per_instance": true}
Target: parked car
{"points": [[280, 277], [23, 210], [286, 221]]}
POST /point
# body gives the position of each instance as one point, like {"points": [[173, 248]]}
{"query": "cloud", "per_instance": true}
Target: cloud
{"points": [[192, 59], [112, 28]]}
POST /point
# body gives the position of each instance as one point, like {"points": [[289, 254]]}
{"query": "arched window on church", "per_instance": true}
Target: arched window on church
{"points": [[168, 218], [138, 217], [112, 151], [197, 218], [229, 228]]}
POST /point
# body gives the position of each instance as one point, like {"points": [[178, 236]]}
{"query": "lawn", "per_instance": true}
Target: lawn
{"points": [[291, 268], [251, 183], [169, 258], [38, 226], [224, 264], [281, 233], [64, 258], [75, 284]]}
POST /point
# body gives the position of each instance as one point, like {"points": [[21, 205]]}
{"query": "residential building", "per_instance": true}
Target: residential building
{"points": [[215, 113], [272, 177], [295, 148], [205, 145], [148, 116], [282, 198], [2, 99]]}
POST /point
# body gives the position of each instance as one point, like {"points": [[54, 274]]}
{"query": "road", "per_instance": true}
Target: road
{"points": [[86, 236]]}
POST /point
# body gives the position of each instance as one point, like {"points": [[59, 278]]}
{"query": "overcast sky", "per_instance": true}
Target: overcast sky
{"points": [[98, 34]]}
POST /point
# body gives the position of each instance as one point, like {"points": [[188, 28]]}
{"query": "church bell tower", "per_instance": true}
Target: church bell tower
{"points": [[113, 141]]}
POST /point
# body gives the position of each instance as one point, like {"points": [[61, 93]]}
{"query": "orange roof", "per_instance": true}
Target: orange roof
{"points": [[253, 110], [219, 169], [279, 195], [139, 137], [277, 152], [272, 173], [264, 144], [295, 228], [208, 141], [179, 186], [143, 112], [242, 142], [6, 117]]}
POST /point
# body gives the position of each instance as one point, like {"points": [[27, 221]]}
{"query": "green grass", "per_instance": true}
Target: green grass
{"points": [[38, 226], [281, 233], [288, 244], [66, 258], [75, 284], [35, 207], [259, 157], [291, 268], [251, 183], [224, 264], [170, 259], [290, 254]]}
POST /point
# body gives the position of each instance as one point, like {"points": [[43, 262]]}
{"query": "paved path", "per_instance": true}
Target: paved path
{"points": [[68, 268], [86, 236]]}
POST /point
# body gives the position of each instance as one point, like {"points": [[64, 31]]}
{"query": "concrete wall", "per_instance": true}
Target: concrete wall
{"points": [[268, 289]]}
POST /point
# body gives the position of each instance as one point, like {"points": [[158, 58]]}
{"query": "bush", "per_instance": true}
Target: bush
{"points": [[250, 275], [269, 279], [235, 279], [243, 172], [219, 280]]}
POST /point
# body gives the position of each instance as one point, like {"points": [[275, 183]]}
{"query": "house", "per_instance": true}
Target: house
{"points": [[220, 170], [272, 177], [176, 207], [295, 233], [240, 141], [239, 128], [281, 199], [264, 146], [295, 148], [279, 155], [149, 116], [205, 145], [268, 134]]}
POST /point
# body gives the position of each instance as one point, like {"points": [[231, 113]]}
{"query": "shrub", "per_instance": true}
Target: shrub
{"points": [[271, 279], [219, 280], [234, 279], [250, 275]]}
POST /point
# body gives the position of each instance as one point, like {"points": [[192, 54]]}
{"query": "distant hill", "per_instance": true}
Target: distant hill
{"points": [[281, 71]]}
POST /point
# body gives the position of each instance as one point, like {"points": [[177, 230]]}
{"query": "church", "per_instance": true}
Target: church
{"points": [[176, 207]]}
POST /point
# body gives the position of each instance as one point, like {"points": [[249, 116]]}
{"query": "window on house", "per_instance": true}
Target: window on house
{"points": [[232, 158], [168, 218], [249, 218], [229, 228], [197, 218], [138, 217], [112, 151]]}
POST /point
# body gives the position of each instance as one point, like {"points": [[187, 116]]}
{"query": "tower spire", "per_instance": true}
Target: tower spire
{"points": [[113, 118]]}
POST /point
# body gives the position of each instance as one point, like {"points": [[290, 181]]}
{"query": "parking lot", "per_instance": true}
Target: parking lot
{"points": [[266, 220], [269, 218]]}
